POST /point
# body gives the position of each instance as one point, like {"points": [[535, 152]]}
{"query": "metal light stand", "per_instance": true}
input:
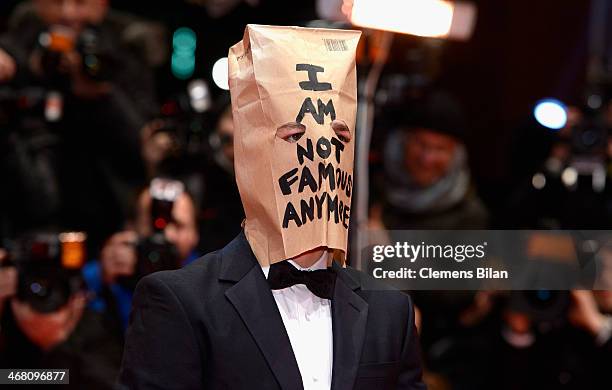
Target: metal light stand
{"points": [[365, 124]]}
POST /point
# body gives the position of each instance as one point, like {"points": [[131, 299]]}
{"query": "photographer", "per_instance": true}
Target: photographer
{"points": [[209, 175], [45, 323], [570, 188], [97, 93], [427, 182], [554, 348], [126, 255], [98, 50]]}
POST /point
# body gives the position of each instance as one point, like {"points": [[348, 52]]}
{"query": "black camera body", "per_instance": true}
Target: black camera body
{"points": [[49, 268], [542, 306], [155, 253], [97, 60], [589, 137]]}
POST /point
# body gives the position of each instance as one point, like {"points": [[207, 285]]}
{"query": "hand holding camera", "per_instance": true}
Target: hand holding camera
{"points": [[8, 68], [118, 256], [65, 59], [8, 281], [8, 278], [128, 255]]}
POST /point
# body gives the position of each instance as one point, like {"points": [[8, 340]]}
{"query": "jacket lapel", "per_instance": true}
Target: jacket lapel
{"points": [[349, 317], [252, 298]]}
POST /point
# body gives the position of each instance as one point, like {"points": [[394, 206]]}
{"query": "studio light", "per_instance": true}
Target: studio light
{"points": [[426, 18]]}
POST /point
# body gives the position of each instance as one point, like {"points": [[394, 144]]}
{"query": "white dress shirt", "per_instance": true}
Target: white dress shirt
{"points": [[308, 322]]}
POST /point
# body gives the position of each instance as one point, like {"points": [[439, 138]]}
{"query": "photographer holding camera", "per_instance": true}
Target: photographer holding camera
{"points": [[165, 236], [44, 322], [97, 86], [85, 44], [205, 165], [569, 188]]}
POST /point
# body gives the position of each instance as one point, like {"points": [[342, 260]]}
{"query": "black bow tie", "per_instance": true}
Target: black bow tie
{"points": [[320, 282]]}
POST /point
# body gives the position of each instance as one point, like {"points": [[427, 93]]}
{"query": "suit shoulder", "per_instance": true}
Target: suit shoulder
{"points": [[190, 277]]}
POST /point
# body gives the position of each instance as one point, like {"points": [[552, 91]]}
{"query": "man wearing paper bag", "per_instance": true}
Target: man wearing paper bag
{"points": [[276, 308]]}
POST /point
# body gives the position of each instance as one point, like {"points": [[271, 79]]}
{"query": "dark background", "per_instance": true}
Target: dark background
{"points": [[521, 51]]}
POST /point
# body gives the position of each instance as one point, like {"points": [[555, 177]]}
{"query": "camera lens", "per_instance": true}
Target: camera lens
{"points": [[45, 293]]}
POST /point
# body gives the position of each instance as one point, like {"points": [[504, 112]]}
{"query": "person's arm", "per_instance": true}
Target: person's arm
{"points": [[18, 42], [8, 67], [161, 350], [8, 281], [585, 314], [410, 377], [13, 55]]}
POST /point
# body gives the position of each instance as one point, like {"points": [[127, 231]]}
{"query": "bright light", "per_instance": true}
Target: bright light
{"points": [[184, 42], [599, 179], [197, 89], [219, 73], [538, 181], [418, 17], [569, 176], [199, 95], [551, 113], [426, 18], [182, 65]]}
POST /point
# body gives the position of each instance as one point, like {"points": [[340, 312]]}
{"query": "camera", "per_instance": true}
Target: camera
{"points": [[155, 252], [49, 268], [185, 118], [542, 306], [590, 136], [97, 60], [588, 141], [584, 167]]}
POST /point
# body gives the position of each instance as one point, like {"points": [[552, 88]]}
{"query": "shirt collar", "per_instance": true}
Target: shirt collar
{"points": [[319, 264]]}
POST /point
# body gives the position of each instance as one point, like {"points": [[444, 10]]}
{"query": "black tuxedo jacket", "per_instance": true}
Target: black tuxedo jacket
{"points": [[215, 325]]}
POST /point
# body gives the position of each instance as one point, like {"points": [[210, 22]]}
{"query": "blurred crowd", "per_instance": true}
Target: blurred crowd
{"points": [[105, 179]]}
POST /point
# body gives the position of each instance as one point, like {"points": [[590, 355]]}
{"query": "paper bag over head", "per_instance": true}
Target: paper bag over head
{"points": [[294, 101]]}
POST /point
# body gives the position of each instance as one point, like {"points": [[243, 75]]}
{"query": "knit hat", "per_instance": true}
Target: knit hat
{"points": [[437, 111]]}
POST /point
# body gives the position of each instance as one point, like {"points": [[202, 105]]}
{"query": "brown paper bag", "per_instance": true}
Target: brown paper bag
{"points": [[294, 101]]}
